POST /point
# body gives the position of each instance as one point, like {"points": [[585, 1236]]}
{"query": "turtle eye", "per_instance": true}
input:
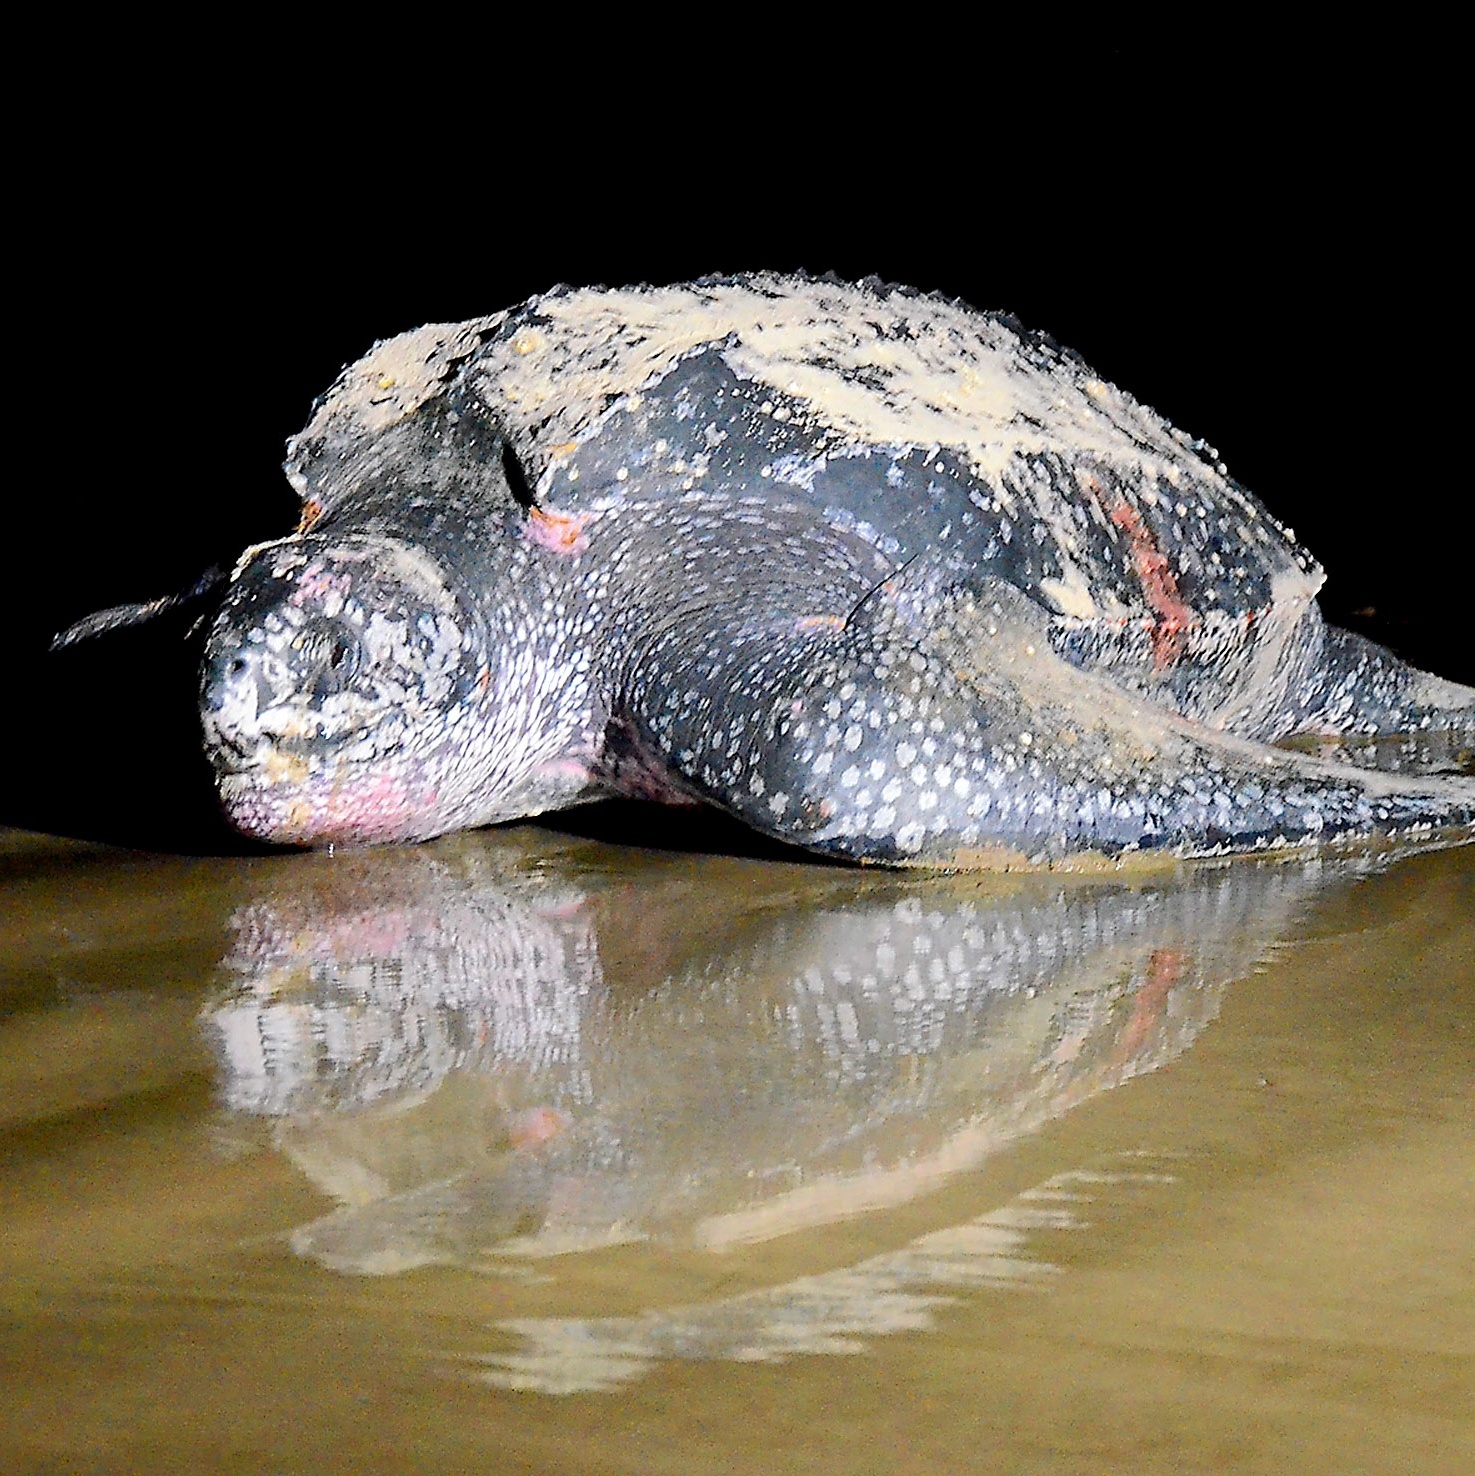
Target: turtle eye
{"points": [[517, 478], [329, 656]]}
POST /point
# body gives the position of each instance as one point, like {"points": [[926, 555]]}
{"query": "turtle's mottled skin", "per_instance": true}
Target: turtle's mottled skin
{"points": [[884, 577]]}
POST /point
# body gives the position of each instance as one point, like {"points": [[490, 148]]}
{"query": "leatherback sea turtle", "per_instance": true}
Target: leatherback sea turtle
{"points": [[883, 576]]}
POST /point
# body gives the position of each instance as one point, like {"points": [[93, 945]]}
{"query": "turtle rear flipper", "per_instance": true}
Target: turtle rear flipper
{"points": [[934, 725], [1364, 704]]}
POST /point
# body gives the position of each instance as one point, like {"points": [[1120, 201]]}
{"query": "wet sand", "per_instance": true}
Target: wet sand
{"points": [[522, 1153]]}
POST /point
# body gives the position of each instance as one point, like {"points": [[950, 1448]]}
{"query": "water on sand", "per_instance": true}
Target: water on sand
{"points": [[516, 1152]]}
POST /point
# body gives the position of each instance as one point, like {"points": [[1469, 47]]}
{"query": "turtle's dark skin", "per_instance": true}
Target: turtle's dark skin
{"points": [[883, 577]]}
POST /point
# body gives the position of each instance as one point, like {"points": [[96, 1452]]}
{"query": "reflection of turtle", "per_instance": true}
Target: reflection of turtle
{"points": [[460, 1043], [879, 575]]}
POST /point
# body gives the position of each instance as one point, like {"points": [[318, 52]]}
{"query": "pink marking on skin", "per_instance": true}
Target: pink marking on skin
{"points": [[316, 582], [565, 768], [630, 767], [1174, 618], [560, 533], [649, 779], [383, 809], [378, 808]]}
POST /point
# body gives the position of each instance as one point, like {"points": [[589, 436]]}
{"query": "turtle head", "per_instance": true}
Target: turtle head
{"points": [[342, 677]]}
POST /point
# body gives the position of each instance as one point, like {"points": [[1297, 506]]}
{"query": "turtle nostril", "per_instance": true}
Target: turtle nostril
{"points": [[226, 677]]}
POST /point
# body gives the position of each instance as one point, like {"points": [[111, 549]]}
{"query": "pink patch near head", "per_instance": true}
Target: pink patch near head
{"points": [[560, 533], [316, 582], [383, 808]]}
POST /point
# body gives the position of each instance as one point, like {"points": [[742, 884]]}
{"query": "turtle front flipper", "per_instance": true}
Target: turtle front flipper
{"points": [[933, 725]]}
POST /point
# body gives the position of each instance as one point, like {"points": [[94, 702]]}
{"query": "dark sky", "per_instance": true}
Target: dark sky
{"points": [[1267, 253]]}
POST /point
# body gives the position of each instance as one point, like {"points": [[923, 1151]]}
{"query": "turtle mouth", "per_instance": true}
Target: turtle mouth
{"points": [[288, 779], [292, 749], [233, 753]]}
